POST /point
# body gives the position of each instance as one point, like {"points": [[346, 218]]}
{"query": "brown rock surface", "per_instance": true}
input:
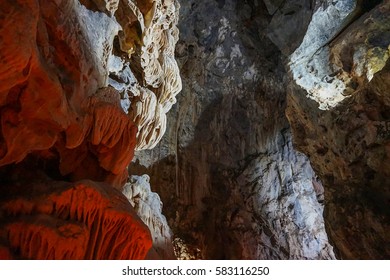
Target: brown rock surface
{"points": [[352, 158], [348, 141]]}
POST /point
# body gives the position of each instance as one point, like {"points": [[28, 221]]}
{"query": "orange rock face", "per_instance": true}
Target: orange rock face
{"points": [[85, 220], [49, 96], [58, 118]]}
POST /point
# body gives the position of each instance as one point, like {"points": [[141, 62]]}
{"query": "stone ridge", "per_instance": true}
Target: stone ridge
{"points": [[85, 220]]}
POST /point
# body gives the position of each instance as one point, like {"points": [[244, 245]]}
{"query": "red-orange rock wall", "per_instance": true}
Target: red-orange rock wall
{"points": [[85, 220], [48, 95], [59, 123]]}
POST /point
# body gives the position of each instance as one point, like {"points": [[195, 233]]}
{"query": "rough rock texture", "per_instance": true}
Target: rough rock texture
{"points": [[147, 77], [232, 184], [70, 114], [85, 83], [349, 144], [330, 65], [148, 206], [49, 95], [59, 220], [82, 84], [290, 20]]}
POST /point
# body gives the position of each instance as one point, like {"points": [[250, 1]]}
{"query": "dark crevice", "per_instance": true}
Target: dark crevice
{"points": [[363, 7], [368, 5]]}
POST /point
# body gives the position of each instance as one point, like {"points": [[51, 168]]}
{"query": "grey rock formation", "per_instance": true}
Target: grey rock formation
{"points": [[330, 65], [232, 184], [289, 23], [148, 207], [348, 144], [343, 65]]}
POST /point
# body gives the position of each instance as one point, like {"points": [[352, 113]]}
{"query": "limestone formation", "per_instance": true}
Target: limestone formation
{"points": [[339, 54], [233, 186], [343, 65], [49, 82], [85, 220], [66, 111], [228, 146], [148, 206], [66, 106], [278, 146], [147, 76], [352, 159]]}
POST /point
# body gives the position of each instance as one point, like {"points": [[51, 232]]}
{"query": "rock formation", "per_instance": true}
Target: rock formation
{"points": [[148, 207], [278, 147], [59, 220], [82, 85], [348, 143], [231, 182], [238, 180]]}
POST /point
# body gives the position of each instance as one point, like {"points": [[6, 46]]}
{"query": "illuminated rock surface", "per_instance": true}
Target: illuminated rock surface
{"points": [[348, 142], [237, 178], [66, 113], [267, 85], [58, 220], [233, 186], [148, 207]]}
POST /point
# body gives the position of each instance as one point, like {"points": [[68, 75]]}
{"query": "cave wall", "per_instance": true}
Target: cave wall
{"points": [[61, 220], [86, 84], [82, 85], [348, 140], [148, 207], [233, 155], [232, 184]]}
